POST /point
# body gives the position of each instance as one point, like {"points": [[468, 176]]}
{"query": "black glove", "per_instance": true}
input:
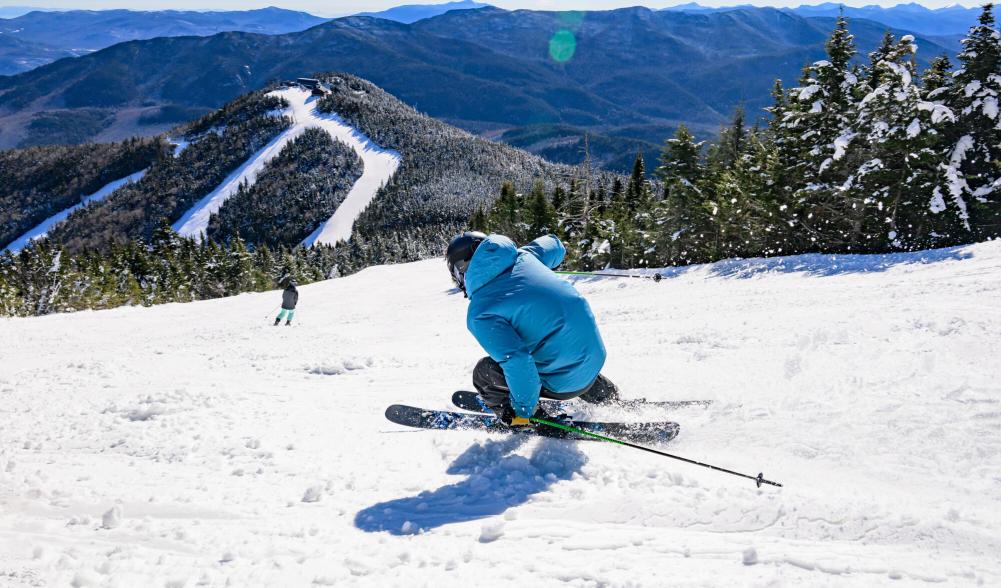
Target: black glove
{"points": [[511, 418]]}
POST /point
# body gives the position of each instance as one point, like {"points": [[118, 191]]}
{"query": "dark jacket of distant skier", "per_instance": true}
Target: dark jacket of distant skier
{"points": [[290, 297], [534, 324]]}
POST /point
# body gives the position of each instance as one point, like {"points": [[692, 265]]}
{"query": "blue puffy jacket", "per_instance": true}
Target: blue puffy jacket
{"points": [[534, 324]]}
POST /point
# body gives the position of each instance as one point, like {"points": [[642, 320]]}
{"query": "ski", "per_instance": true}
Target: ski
{"points": [[422, 418], [467, 400]]}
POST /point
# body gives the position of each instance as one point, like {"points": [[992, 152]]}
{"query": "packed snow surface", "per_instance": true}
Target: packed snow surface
{"points": [[195, 444], [46, 225], [379, 165]]}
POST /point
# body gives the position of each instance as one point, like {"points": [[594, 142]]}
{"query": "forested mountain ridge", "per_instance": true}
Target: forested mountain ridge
{"points": [[17, 55], [445, 174], [628, 77], [56, 34], [947, 20], [220, 142], [122, 250], [37, 182]]}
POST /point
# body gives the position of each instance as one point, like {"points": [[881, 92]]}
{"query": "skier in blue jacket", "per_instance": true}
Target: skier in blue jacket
{"points": [[539, 331]]}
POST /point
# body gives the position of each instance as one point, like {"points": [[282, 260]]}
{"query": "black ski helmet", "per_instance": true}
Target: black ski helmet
{"points": [[460, 250]]}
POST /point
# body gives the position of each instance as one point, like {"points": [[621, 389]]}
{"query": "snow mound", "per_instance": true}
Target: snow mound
{"points": [[336, 368]]}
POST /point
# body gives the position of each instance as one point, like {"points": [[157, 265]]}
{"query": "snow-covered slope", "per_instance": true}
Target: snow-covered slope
{"points": [[378, 166], [189, 444], [43, 228]]}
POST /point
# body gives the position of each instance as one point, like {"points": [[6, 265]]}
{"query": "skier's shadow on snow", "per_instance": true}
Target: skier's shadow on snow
{"points": [[496, 481]]}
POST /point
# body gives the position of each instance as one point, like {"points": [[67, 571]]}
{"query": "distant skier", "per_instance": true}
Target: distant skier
{"points": [[290, 297], [539, 332]]}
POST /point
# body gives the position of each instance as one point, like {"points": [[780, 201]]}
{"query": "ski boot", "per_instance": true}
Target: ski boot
{"points": [[548, 430], [602, 391]]}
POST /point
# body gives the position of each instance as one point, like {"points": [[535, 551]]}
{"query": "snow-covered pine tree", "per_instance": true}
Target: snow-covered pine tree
{"points": [[769, 221], [974, 166], [10, 299], [787, 168], [165, 278], [817, 118], [680, 218], [40, 277], [896, 139], [949, 221]]}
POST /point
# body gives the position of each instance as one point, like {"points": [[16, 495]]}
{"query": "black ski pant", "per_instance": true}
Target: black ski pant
{"points": [[489, 381]]}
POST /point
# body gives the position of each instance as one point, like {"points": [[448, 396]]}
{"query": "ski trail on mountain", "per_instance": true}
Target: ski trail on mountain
{"points": [[378, 166], [43, 228]]}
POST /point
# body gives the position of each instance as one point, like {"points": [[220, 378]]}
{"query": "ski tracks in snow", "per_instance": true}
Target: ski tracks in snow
{"points": [[378, 166], [237, 452]]}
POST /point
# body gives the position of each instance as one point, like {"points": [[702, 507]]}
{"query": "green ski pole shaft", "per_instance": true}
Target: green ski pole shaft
{"points": [[654, 277], [759, 479]]}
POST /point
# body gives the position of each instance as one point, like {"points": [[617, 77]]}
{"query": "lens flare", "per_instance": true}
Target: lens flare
{"points": [[562, 46]]}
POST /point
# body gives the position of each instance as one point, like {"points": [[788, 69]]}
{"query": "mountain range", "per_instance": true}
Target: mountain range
{"points": [[17, 55], [15, 11], [47, 36], [409, 13], [946, 21], [628, 77]]}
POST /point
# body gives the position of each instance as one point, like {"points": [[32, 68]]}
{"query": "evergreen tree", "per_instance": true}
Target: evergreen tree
{"points": [[948, 221], [638, 189], [505, 216], [937, 81], [680, 159], [974, 168], [895, 181], [542, 216], [821, 111], [240, 271], [39, 278], [559, 200], [786, 172], [732, 142], [479, 221], [681, 219], [10, 298]]}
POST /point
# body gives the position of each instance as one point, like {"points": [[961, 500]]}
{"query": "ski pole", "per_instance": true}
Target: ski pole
{"points": [[272, 311], [654, 277], [759, 479]]}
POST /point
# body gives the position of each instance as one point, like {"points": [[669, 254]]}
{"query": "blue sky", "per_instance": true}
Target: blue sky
{"points": [[342, 7]]}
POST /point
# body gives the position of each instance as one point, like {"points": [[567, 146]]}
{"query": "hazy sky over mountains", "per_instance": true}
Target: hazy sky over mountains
{"points": [[344, 7]]}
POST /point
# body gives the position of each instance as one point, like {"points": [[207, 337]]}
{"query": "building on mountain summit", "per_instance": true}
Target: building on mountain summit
{"points": [[308, 83]]}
